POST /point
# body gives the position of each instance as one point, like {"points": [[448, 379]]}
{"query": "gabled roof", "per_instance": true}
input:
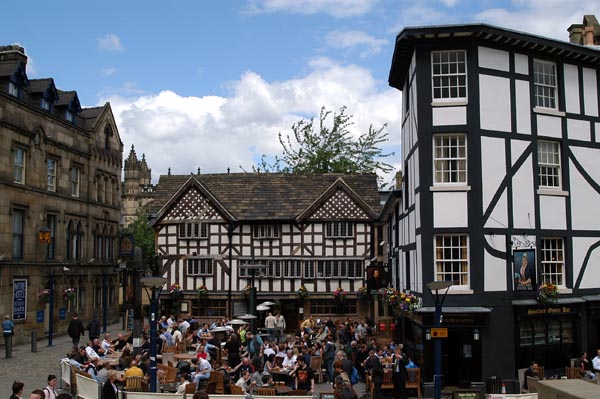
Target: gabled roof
{"points": [[7, 68], [271, 196], [520, 41], [91, 115], [66, 97], [41, 86]]}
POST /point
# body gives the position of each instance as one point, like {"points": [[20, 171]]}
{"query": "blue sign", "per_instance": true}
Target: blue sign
{"points": [[62, 313], [19, 299], [40, 316]]}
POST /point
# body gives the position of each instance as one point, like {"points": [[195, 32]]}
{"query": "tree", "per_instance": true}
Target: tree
{"points": [[143, 236], [321, 149]]}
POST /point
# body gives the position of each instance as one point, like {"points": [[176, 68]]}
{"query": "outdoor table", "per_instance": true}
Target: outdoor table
{"points": [[282, 389], [185, 356]]}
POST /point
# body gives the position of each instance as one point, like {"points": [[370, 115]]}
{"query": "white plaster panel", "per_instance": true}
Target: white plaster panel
{"points": [[590, 92], [523, 192], [494, 274], [549, 126], [591, 274], [588, 158], [285, 239], [494, 103], [499, 215], [450, 209], [521, 64], [572, 89], [360, 227], [552, 212], [494, 59], [318, 238], [597, 132], [418, 211], [517, 147], [419, 259], [579, 130], [523, 106], [447, 116], [494, 167], [411, 221], [584, 202]]}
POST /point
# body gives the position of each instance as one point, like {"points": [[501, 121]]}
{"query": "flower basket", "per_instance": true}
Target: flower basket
{"points": [[202, 292], [339, 294], [246, 291], [302, 293], [362, 293], [389, 295], [408, 302], [175, 291], [69, 293], [44, 295], [547, 293]]}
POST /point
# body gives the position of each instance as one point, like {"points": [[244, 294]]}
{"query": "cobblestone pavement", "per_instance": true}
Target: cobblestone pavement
{"points": [[33, 368]]}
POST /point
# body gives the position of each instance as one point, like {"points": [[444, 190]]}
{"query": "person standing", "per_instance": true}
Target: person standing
{"points": [[75, 330], [109, 390], [17, 390], [280, 327], [50, 390], [94, 328], [596, 362], [270, 323], [376, 376], [400, 375], [8, 330]]}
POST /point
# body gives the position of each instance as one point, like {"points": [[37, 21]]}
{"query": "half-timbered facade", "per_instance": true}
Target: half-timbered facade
{"points": [[306, 230], [500, 144]]}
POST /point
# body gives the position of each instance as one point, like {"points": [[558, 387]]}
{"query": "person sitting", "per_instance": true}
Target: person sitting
{"points": [[530, 372], [183, 382]]}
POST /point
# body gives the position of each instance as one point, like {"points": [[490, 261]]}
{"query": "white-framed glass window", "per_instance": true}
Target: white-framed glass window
{"points": [[549, 164], [200, 267], [309, 269], [69, 116], [51, 166], [75, 177], [544, 83], [19, 165], [14, 90], [292, 268], [452, 258], [449, 75], [450, 159], [265, 231], [45, 104], [552, 256], [190, 230], [339, 229], [339, 268]]}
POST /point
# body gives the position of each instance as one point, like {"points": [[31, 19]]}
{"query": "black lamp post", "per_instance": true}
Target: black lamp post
{"points": [[51, 274], [155, 283], [437, 286], [252, 269], [104, 298]]}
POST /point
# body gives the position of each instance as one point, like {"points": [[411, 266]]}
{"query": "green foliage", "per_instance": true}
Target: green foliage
{"points": [[143, 235], [325, 149]]}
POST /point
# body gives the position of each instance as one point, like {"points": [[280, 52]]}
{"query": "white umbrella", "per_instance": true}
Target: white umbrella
{"points": [[267, 303], [247, 317], [261, 308], [237, 321], [219, 329]]}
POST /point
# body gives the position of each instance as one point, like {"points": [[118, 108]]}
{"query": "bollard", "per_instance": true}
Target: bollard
{"points": [[34, 341]]}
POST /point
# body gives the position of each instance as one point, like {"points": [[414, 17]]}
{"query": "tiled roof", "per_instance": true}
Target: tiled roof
{"points": [[90, 115], [39, 85], [268, 196], [7, 68], [65, 97]]}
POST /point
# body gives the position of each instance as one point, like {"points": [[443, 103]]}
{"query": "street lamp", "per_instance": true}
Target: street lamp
{"points": [[253, 268], [437, 286], [51, 273], [155, 283]]}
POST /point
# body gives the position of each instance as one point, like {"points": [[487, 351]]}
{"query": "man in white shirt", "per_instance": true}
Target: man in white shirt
{"points": [[106, 344], [289, 360], [270, 322], [90, 352], [202, 372], [596, 362]]}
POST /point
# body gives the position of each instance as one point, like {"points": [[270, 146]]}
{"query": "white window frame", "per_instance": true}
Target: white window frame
{"points": [[292, 268], [448, 74], [193, 230], [45, 104], [69, 116], [457, 264], [75, 178], [339, 268], [552, 260], [449, 165], [265, 231], [549, 165], [14, 90], [339, 229], [545, 84], [200, 266], [20, 164], [51, 174]]}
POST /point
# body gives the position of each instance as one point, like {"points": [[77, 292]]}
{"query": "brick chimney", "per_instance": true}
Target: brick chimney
{"points": [[398, 178], [575, 31], [586, 33], [13, 52]]}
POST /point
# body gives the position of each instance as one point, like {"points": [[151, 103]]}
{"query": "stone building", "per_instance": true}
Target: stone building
{"points": [[137, 189], [60, 202]]}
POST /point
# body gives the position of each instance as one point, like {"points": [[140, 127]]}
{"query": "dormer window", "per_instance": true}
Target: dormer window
{"points": [[14, 90], [45, 104], [69, 116]]}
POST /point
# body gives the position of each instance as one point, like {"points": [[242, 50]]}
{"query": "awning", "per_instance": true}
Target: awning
{"points": [[455, 309]]}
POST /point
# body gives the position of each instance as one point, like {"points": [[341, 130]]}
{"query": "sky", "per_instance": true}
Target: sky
{"points": [[211, 84]]}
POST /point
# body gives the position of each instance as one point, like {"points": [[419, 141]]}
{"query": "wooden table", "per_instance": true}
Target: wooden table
{"points": [[282, 389], [568, 389], [185, 356]]}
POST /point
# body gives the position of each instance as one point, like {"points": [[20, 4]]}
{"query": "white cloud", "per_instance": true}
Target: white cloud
{"points": [[108, 71], [110, 42], [215, 133], [336, 8], [353, 38]]}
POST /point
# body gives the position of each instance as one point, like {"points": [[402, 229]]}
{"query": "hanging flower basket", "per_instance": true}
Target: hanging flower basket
{"points": [[339, 294], [302, 293], [175, 291], [547, 293], [408, 302], [202, 292], [389, 295], [246, 291], [69, 293], [362, 293], [44, 295]]}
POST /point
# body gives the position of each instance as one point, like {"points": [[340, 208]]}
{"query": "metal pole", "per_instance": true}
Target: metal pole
{"points": [[437, 377], [153, 310], [137, 299], [51, 310], [252, 303], [104, 299]]}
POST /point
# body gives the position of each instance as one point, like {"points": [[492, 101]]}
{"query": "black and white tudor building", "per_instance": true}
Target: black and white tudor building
{"points": [[501, 160]]}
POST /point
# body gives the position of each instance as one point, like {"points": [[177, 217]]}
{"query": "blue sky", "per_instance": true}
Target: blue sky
{"points": [[210, 84]]}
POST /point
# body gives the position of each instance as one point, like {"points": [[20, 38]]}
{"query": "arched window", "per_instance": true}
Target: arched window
{"points": [[71, 240], [79, 241], [98, 242], [107, 134], [109, 188], [106, 244]]}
